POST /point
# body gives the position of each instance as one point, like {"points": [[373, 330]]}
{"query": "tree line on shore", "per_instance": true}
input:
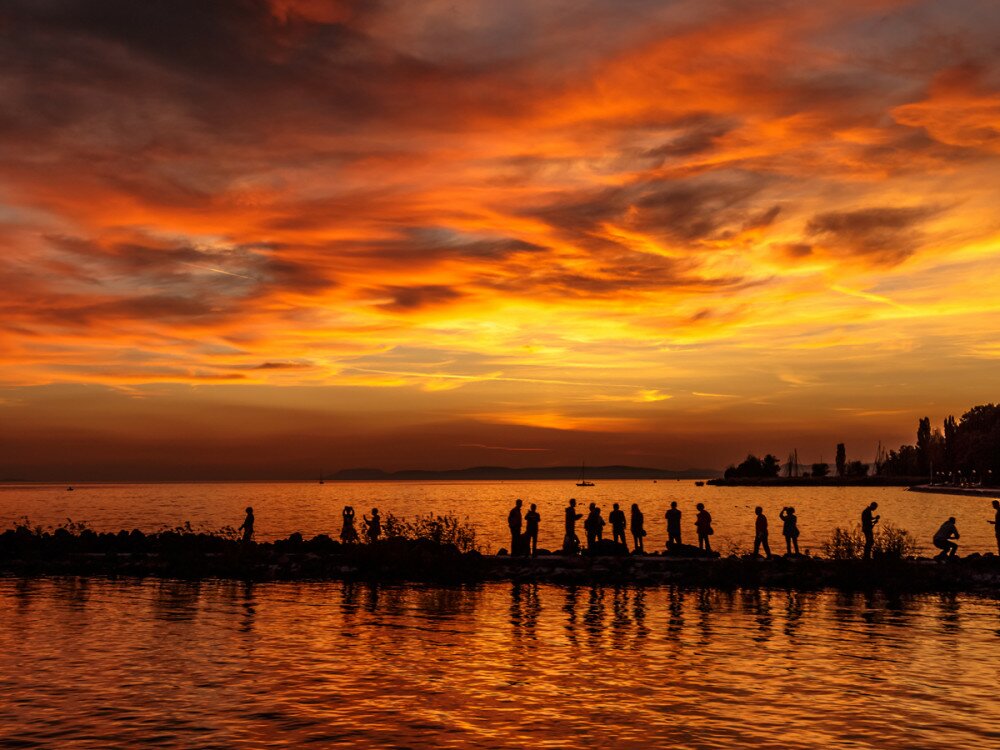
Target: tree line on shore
{"points": [[962, 451]]}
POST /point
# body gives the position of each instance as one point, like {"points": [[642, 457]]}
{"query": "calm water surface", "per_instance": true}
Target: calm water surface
{"points": [[311, 508], [105, 664]]}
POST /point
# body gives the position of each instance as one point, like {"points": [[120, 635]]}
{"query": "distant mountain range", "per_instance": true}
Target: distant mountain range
{"points": [[544, 472]]}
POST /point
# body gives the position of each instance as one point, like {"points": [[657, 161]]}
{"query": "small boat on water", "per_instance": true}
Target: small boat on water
{"points": [[699, 484], [583, 477]]}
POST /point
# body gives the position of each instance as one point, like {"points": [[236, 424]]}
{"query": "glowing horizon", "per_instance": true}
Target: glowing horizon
{"points": [[332, 234]]}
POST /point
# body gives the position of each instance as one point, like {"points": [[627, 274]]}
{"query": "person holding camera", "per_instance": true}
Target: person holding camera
{"points": [[348, 533], [790, 530], [868, 521]]}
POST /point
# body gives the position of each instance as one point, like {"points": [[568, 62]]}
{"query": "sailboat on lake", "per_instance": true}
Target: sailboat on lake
{"points": [[583, 477]]}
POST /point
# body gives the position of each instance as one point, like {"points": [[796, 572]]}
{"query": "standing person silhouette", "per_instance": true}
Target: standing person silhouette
{"points": [[638, 528], [790, 530], [868, 522], [996, 523], [594, 526], [531, 521], [943, 537], [247, 526], [514, 524], [348, 534], [374, 526], [617, 519], [571, 542], [760, 533], [703, 525], [673, 517]]}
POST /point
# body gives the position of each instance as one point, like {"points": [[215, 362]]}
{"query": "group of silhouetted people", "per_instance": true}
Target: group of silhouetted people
{"points": [[524, 529], [526, 543], [348, 531], [373, 526]]}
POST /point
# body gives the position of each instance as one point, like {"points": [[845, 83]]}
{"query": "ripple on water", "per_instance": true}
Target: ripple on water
{"points": [[224, 664]]}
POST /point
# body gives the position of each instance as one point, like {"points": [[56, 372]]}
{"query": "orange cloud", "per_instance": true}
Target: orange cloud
{"points": [[466, 212], [960, 110]]}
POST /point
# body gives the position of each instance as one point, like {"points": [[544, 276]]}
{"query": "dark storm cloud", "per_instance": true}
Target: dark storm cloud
{"points": [[622, 272], [796, 250], [282, 366], [883, 234], [419, 245], [407, 298], [248, 270], [763, 219], [699, 135], [138, 69], [684, 211], [69, 312]]}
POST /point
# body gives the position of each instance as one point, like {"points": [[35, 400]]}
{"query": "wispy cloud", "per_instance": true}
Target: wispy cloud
{"points": [[659, 207]]}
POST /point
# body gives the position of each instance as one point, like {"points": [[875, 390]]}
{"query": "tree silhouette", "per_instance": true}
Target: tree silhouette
{"points": [[924, 445], [950, 439], [857, 469], [841, 460], [820, 470], [967, 450], [753, 467]]}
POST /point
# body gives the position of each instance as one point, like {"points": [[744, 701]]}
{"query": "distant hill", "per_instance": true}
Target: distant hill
{"points": [[506, 473]]}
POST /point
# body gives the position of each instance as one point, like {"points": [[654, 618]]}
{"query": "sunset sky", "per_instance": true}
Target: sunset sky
{"points": [[270, 239]]}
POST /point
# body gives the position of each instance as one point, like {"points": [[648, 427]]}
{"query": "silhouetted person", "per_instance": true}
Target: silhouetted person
{"points": [[943, 537], [247, 526], [673, 517], [638, 528], [593, 525], [790, 529], [374, 526], [996, 523], [514, 524], [868, 521], [531, 520], [760, 533], [571, 542], [703, 525], [617, 519], [348, 534]]}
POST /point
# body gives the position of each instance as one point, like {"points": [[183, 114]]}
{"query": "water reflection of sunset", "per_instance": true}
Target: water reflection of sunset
{"points": [[496, 665]]}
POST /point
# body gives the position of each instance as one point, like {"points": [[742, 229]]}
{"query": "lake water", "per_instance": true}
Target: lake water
{"points": [[167, 664], [311, 508]]}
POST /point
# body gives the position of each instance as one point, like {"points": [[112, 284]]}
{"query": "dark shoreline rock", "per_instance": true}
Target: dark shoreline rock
{"points": [[195, 556]]}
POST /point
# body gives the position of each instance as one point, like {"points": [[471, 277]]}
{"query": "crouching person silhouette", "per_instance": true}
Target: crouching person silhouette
{"points": [[943, 537]]}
